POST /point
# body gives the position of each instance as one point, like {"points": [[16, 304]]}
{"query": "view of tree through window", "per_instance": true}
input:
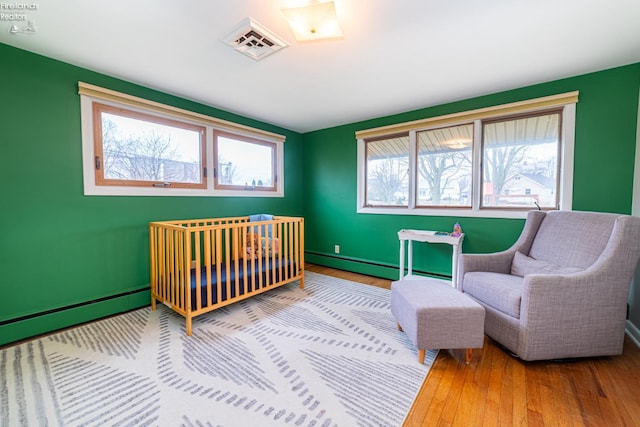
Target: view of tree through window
{"points": [[140, 148], [497, 161], [444, 166], [388, 171], [244, 162], [520, 158]]}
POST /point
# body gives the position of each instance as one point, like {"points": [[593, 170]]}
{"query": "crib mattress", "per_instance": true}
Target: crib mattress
{"points": [[247, 268]]}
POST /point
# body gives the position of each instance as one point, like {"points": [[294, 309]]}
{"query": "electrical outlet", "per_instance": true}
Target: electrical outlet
{"points": [[336, 249]]}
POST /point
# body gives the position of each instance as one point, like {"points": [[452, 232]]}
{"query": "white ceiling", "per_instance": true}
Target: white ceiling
{"points": [[396, 55]]}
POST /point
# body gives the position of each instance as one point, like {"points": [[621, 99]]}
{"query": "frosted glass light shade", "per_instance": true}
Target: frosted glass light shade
{"points": [[315, 21]]}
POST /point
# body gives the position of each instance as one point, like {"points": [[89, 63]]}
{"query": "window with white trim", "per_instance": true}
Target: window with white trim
{"points": [[495, 162], [444, 166], [520, 160], [387, 171], [244, 163], [137, 149], [132, 146]]}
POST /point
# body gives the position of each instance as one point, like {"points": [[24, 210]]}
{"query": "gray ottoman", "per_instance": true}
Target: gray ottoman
{"points": [[435, 315]]}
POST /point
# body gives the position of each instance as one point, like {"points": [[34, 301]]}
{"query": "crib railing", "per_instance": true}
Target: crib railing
{"points": [[200, 265]]}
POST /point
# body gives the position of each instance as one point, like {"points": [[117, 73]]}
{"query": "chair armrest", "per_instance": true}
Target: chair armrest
{"points": [[561, 314], [497, 262], [500, 262]]}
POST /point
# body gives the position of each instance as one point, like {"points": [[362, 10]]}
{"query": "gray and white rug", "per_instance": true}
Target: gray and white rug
{"points": [[326, 355]]}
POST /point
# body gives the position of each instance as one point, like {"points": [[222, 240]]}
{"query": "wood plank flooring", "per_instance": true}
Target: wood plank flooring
{"points": [[496, 389]]}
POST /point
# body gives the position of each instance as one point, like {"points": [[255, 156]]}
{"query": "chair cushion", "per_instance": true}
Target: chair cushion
{"points": [[571, 238], [500, 291], [523, 265]]}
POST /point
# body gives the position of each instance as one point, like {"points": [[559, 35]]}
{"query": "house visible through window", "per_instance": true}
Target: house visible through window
{"points": [[509, 158], [520, 160]]}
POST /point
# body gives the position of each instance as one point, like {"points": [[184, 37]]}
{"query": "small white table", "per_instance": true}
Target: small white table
{"points": [[429, 237]]}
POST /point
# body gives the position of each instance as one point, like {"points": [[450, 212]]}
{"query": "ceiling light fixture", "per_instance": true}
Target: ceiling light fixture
{"points": [[315, 21]]}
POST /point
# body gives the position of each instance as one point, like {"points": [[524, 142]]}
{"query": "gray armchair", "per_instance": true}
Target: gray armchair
{"points": [[561, 290]]}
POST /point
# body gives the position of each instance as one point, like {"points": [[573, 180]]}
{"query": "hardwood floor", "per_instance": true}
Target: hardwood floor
{"points": [[496, 389]]}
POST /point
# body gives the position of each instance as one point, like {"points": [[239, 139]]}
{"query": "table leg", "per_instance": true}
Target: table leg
{"points": [[454, 266], [401, 259], [410, 258]]}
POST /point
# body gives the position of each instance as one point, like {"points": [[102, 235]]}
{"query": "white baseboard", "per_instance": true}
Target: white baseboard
{"points": [[633, 332]]}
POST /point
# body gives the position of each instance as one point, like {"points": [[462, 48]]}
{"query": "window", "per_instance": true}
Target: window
{"points": [[138, 149], [520, 158], [444, 166], [244, 163], [131, 146], [498, 162], [388, 171]]}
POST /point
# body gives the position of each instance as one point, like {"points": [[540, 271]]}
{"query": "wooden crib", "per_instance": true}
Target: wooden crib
{"points": [[200, 265]]}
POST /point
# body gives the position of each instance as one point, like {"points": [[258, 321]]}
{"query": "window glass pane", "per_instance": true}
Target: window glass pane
{"points": [[520, 162], [244, 163], [388, 171], [444, 166], [134, 149]]}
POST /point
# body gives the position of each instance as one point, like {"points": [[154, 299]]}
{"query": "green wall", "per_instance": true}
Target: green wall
{"points": [[606, 119], [67, 258], [59, 249]]}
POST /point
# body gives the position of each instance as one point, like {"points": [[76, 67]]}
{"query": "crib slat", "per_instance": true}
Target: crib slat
{"points": [[271, 253], [186, 278], [259, 256], [296, 248], [185, 263], [165, 263], [152, 266], [245, 245], [198, 267], [289, 250], [171, 273], [176, 240], [301, 252], [227, 261], [217, 263], [234, 247], [207, 258]]}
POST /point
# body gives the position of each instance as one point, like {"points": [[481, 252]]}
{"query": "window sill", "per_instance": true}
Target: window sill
{"points": [[462, 212], [179, 192]]}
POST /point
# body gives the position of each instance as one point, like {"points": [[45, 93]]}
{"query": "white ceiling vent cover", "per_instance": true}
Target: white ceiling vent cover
{"points": [[254, 40]]}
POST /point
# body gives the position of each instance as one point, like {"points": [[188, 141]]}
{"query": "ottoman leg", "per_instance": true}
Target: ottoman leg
{"points": [[421, 354], [464, 355], [468, 354]]}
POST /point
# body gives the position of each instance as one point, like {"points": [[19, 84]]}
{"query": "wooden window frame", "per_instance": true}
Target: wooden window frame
{"points": [[366, 167], [417, 154], [249, 140], [559, 112], [95, 185], [99, 108], [564, 103]]}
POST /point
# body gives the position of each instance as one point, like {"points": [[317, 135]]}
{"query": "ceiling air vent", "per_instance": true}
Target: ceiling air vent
{"points": [[254, 40]]}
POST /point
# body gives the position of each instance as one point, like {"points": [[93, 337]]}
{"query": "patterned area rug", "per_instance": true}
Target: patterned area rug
{"points": [[326, 355]]}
